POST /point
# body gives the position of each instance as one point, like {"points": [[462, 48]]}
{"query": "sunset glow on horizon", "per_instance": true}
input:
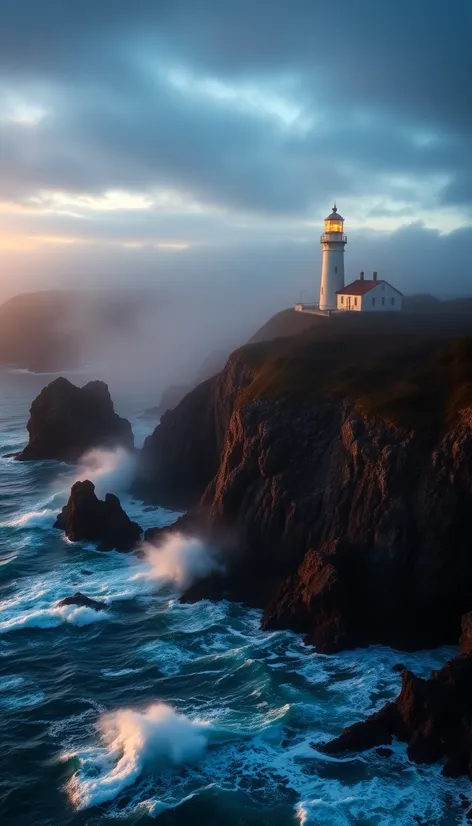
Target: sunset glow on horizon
{"points": [[168, 138]]}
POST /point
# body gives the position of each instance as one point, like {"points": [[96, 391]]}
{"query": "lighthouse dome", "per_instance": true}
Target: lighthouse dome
{"points": [[334, 222], [335, 216]]}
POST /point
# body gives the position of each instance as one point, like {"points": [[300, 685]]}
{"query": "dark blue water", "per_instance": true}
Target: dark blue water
{"points": [[159, 712]]}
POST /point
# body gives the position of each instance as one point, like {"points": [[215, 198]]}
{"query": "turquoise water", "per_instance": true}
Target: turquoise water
{"points": [[157, 712]]}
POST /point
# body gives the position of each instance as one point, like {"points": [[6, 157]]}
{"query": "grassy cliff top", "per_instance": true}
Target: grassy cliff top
{"points": [[412, 369]]}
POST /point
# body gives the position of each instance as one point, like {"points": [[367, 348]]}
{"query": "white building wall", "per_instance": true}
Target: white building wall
{"points": [[382, 298], [332, 273]]}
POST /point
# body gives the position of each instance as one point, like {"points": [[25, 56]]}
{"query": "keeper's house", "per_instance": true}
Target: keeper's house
{"points": [[369, 295]]}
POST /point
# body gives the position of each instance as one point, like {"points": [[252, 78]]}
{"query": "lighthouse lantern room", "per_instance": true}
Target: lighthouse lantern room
{"points": [[333, 242]]}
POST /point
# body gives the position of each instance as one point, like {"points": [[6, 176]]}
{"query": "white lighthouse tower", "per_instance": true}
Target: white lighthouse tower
{"points": [[332, 242]]}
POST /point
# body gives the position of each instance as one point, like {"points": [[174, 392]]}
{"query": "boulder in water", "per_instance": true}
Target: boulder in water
{"points": [[87, 518], [66, 421], [82, 601], [434, 717]]}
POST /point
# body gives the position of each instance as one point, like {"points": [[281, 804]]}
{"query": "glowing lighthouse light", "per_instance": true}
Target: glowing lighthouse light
{"points": [[332, 242]]}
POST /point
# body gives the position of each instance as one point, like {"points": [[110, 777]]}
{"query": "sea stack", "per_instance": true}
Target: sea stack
{"points": [[87, 518], [66, 421]]}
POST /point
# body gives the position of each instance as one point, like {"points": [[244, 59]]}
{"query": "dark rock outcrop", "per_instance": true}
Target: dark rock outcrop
{"points": [[434, 717], [66, 421], [365, 525], [83, 601], [182, 456], [87, 518], [354, 529], [465, 639]]}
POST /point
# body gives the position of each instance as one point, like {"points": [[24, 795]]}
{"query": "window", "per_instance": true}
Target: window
{"points": [[392, 300], [322, 291], [355, 302], [342, 299], [333, 226], [335, 269], [383, 300], [373, 302]]}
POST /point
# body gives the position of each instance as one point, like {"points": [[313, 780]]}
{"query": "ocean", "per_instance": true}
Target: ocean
{"points": [[157, 712]]}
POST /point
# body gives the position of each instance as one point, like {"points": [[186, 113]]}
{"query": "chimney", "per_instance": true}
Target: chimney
{"points": [[375, 276], [361, 276]]}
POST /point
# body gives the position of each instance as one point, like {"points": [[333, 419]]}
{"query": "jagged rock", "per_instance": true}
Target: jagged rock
{"points": [[355, 529], [181, 456], [87, 518], [384, 752], [313, 593], [82, 601], [66, 421], [434, 717], [465, 639], [174, 461], [366, 545]]}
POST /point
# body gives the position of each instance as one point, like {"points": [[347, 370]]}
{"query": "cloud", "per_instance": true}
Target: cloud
{"points": [[171, 126]]}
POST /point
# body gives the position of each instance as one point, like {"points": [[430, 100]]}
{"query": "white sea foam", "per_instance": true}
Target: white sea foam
{"points": [[107, 577], [52, 617], [132, 741], [112, 577], [401, 797], [179, 561], [43, 519], [364, 789], [324, 693]]}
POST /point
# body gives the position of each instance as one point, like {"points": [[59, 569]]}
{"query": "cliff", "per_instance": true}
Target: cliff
{"points": [[338, 474], [182, 455]]}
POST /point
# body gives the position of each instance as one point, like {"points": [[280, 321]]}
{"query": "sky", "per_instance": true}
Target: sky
{"points": [[199, 145]]}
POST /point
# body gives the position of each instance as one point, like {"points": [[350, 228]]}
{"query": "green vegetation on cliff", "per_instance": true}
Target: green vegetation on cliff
{"points": [[415, 371]]}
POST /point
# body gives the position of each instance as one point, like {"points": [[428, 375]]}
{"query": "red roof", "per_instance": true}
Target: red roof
{"points": [[359, 287]]}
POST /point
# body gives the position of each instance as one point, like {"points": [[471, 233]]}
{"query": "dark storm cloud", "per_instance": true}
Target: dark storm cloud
{"points": [[413, 55], [408, 55], [386, 83]]}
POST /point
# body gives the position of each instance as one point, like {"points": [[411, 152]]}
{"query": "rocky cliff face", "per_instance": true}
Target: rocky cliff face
{"points": [[182, 455], [352, 529]]}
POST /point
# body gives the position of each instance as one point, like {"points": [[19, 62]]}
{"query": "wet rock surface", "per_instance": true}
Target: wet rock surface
{"points": [[354, 530], [66, 421], [83, 601], [433, 716], [87, 518]]}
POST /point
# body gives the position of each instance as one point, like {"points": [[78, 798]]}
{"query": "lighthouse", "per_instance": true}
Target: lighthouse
{"points": [[332, 243]]}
